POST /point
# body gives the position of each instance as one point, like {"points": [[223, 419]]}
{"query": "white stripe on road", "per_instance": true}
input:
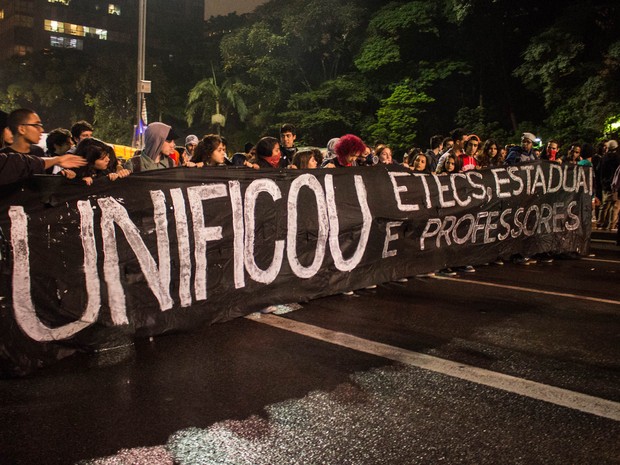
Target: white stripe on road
{"points": [[529, 289], [617, 262], [563, 397], [602, 241]]}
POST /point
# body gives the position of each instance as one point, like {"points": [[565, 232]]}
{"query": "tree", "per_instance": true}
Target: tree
{"points": [[41, 81], [337, 107], [398, 116], [210, 100], [575, 65]]}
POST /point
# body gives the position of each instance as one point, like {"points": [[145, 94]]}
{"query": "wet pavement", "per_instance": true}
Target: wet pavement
{"points": [[339, 380]]}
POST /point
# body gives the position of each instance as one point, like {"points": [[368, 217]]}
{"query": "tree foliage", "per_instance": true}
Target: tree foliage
{"points": [[398, 116], [398, 71], [208, 98]]}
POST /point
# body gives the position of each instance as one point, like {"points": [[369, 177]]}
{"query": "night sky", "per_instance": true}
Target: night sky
{"points": [[223, 7]]}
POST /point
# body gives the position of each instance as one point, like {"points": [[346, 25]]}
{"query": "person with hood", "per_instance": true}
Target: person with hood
{"points": [[158, 145], [191, 142], [331, 148]]}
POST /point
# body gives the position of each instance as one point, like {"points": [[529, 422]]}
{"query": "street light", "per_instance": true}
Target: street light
{"points": [[143, 87]]}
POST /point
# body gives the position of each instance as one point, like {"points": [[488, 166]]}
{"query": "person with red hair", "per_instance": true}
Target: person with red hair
{"points": [[348, 148]]}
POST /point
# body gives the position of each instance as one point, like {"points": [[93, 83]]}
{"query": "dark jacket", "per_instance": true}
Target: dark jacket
{"points": [[608, 167], [517, 155]]}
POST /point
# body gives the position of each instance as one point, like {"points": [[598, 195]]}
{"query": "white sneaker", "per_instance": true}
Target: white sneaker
{"points": [[270, 309], [402, 280], [372, 286], [348, 293]]}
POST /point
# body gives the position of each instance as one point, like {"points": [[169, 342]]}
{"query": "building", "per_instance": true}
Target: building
{"points": [[37, 25], [33, 25]]}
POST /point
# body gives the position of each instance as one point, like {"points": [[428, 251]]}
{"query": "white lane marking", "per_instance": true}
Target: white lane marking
{"points": [[617, 262], [529, 289], [523, 387]]}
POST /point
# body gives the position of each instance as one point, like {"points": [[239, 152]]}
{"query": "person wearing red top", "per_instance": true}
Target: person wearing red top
{"points": [[468, 158]]}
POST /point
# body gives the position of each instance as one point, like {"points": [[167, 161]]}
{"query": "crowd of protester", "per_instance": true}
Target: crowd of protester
{"points": [[81, 158]]}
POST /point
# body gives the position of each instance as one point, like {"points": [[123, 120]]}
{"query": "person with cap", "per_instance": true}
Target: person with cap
{"points": [[517, 155], [191, 142], [523, 153], [158, 145], [16, 167]]}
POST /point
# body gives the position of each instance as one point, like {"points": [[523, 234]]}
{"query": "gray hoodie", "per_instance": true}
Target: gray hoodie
{"points": [[154, 138]]}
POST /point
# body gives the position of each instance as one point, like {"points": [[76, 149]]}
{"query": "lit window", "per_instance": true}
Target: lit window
{"points": [[114, 9], [64, 2], [53, 26], [1, 14], [66, 42], [75, 29]]}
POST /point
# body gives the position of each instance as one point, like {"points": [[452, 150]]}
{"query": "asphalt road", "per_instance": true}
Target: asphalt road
{"points": [[509, 365]]}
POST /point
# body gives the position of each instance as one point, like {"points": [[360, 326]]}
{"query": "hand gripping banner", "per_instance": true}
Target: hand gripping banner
{"points": [[175, 249]]}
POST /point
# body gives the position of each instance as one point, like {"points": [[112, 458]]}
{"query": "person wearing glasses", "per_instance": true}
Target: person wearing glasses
{"points": [[26, 128], [15, 167]]}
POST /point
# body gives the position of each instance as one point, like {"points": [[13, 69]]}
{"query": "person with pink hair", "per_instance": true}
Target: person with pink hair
{"points": [[348, 148]]}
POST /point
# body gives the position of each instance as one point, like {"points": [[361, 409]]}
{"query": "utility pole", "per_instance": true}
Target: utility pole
{"points": [[143, 87]]}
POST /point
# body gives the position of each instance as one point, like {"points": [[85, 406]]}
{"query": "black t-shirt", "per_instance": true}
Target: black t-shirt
{"points": [[16, 167], [34, 150]]}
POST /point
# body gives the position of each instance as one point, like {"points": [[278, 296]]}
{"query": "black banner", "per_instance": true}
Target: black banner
{"points": [[170, 250]]}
